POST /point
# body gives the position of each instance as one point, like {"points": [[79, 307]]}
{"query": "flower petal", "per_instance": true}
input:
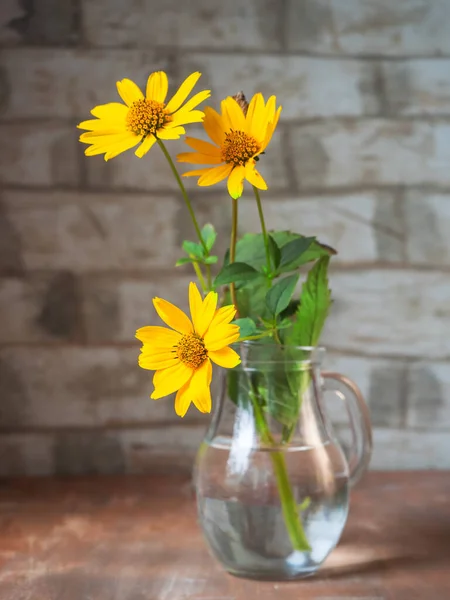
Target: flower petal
{"points": [[170, 380], [213, 126], [145, 146], [199, 159], [196, 390], [223, 315], [106, 138], [226, 357], [232, 114], [172, 316], [218, 337], [121, 147], [256, 122], [112, 111], [182, 400], [171, 134], [271, 128], [129, 91], [183, 92], [160, 336], [195, 302], [236, 182], [197, 172], [193, 116], [157, 86], [102, 125], [254, 177], [202, 146], [195, 101], [203, 314], [156, 362], [214, 175]]}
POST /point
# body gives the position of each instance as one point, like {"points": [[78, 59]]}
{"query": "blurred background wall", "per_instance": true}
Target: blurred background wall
{"points": [[361, 159]]}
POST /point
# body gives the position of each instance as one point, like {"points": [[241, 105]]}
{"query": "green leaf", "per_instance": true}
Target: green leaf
{"points": [[315, 302], [251, 250], [282, 398], [210, 260], [237, 271], [185, 261], [314, 252], [290, 309], [209, 235], [293, 250], [247, 327], [193, 249], [275, 252], [279, 295]]}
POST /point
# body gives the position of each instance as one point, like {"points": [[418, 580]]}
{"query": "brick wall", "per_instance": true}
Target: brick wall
{"points": [[361, 159]]}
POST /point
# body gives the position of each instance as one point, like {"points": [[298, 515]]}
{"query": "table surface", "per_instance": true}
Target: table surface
{"points": [[136, 538]]}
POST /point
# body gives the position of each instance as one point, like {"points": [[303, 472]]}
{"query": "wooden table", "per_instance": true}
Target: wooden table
{"points": [[136, 538]]}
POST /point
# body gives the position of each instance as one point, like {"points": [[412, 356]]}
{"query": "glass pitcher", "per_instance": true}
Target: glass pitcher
{"points": [[272, 480]]}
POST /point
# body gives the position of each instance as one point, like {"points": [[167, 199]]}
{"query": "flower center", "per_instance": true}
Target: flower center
{"points": [[146, 116], [191, 350], [238, 147]]}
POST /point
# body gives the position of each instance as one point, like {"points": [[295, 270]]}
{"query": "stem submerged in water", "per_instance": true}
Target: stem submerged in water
{"points": [[289, 506]]}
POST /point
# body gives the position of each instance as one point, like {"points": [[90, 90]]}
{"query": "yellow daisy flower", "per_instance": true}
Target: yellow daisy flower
{"points": [[119, 127], [240, 136], [182, 356]]}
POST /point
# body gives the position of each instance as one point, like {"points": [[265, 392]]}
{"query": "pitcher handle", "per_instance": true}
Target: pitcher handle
{"points": [[359, 417]]}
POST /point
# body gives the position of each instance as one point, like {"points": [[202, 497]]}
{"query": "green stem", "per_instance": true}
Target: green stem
{"points": [[288, 503], [234, 226], [190, 209], [263, 228], [200, 277]]}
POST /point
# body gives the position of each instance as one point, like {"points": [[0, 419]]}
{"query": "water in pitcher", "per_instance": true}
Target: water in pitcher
{"points": [[246, 530]]}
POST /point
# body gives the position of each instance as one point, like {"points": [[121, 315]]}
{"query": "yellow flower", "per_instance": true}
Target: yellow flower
{"points": [[119, 127], [240, 138], [182, 356]]}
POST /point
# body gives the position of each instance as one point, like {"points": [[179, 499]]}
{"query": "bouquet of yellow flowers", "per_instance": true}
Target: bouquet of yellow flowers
{"points": [[250, 298]]}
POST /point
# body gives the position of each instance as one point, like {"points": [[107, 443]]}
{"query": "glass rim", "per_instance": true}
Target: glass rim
{"points": [[315, 354]]}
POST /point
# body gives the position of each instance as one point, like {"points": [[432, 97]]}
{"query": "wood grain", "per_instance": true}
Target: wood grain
{"points": [[136, 538]]}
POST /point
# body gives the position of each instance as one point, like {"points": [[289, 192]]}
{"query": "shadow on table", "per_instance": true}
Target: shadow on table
{"points": [[416, 540]]}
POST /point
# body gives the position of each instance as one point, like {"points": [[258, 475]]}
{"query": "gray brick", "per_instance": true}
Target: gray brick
{"points": [[38, 154], [371, 152], [305, 87], [429, 396], [362, 227], [418, 87], [396, 449], [205, 23], [368, 27], [11, 258], [428, 224], [26, 454], [390, 312], [382, 383], [147, 450], [40, 307], [90, 232], [49, 22], [88, 453], [173, 447], [12, 13], [115, 307], [70, 82], [80, 387]]}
